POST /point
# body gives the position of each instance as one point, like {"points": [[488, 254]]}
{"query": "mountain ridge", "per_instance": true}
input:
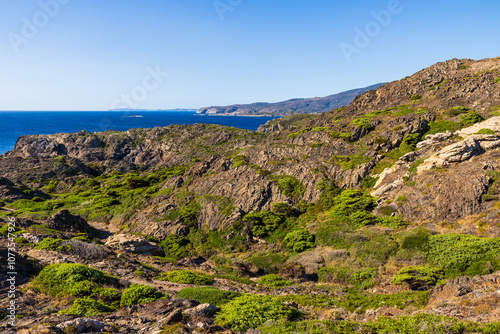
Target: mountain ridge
{"points": [[296, 105]]}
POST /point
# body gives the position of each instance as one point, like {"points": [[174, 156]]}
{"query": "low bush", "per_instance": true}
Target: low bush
{"points": [[51, 244], [251, 311], [175, 245], [274, 281], [139, 294], [418, 277], [463, 254], [485, 132], [60, 278], [269, 262], [470, 118], [208, 295], [87, 306], [290, 186], [299, 241]]}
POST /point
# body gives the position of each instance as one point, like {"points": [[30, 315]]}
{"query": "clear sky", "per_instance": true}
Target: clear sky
{"points": [[98, 54]]}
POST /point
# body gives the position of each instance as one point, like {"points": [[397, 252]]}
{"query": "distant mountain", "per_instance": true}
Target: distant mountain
{"points": [[177, 109], [293, 106]]}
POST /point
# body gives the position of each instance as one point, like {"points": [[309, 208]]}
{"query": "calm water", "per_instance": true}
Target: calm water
{"points": [[15, 124]]}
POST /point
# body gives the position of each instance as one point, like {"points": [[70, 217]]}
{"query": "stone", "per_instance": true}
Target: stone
{"points": [[203, 310], [31, 238], [134, 244], [82, 325], [65, 221]]}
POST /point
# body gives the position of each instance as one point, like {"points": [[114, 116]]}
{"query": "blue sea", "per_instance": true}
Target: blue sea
{"points": [[15, 124]]}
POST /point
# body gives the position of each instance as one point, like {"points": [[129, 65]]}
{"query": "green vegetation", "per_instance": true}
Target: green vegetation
{"points": [[415, 97], [139, 294], [360, 302], [240, 160], [347, 162], [59, 279], [346, 136], [51, 244], [208, 295], [485, 132], [274, 281], [455, 111], [415, 324], [470, 118], [362, 123], [250, 311], [419, 277], [463, 254], [185, 277], [497, 80], [443, 126], [299, 241], [87, 306], [289, 186]]}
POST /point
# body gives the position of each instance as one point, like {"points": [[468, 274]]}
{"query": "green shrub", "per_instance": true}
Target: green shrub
{"points": [[86, 307], [109, 296], [58, 279], [443, 126], [341, 135], [269, 262], [82, 288], [274, 281], [351, 201], [290, 186], [497, 80], [362, 123], [347, 162], [50, 244], [455, 111], [393, 222], [470, 118], [240, 160], [463, 254], [188, 277], [410, 142], [368, 182], [139, 294], [263, 222], [415, 97], [299, 241], [251, 311], [418, 277], [328, 195], [175, 245], [414, 166], [485, 132], [210, 295]]}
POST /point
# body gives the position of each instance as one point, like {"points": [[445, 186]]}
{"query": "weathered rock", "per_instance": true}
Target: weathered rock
{"points": [[65, 221], [492, 124], [134, 244], [203, 310], [83, 325], [31, 238]]}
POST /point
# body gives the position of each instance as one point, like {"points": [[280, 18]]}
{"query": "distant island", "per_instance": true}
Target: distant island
{"points": [[289, 107]]}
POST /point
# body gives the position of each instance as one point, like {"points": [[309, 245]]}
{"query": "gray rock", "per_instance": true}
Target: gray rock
{"points": [[134, 244], [205, 310]]}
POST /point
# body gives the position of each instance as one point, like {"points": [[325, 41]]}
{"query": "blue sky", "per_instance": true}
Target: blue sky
{"points": [[92, 54]]}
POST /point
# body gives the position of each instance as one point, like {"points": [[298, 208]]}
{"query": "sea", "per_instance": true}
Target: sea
{"points": [[20, 123]]}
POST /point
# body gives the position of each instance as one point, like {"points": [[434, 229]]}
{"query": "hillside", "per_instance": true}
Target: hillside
{"points": [[378, 217], [294, 106]]}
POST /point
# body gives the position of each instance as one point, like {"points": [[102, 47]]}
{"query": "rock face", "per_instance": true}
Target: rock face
{"points": [[65, 221], [134, 244]]}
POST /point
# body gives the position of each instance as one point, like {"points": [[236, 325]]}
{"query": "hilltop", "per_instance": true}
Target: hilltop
{"points": [[293, 106], [377, 216]]}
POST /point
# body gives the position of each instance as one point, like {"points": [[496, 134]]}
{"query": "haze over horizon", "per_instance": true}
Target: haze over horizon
{"points": [[100, 55]]}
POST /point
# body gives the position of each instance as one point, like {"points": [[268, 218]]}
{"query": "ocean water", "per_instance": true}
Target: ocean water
{"points": [[15, 124]]}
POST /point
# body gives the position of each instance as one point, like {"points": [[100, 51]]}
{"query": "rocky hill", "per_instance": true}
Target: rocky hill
{"points": [[372, 218], [293, 106]]}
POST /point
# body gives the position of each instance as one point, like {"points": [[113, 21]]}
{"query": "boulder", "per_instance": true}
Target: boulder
{"points": [[65, 221], [81, 325], [202, 310], [134, 244]]}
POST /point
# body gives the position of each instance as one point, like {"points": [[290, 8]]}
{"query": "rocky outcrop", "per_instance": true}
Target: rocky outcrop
{"points": [[134, 244], [65, 221]]}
